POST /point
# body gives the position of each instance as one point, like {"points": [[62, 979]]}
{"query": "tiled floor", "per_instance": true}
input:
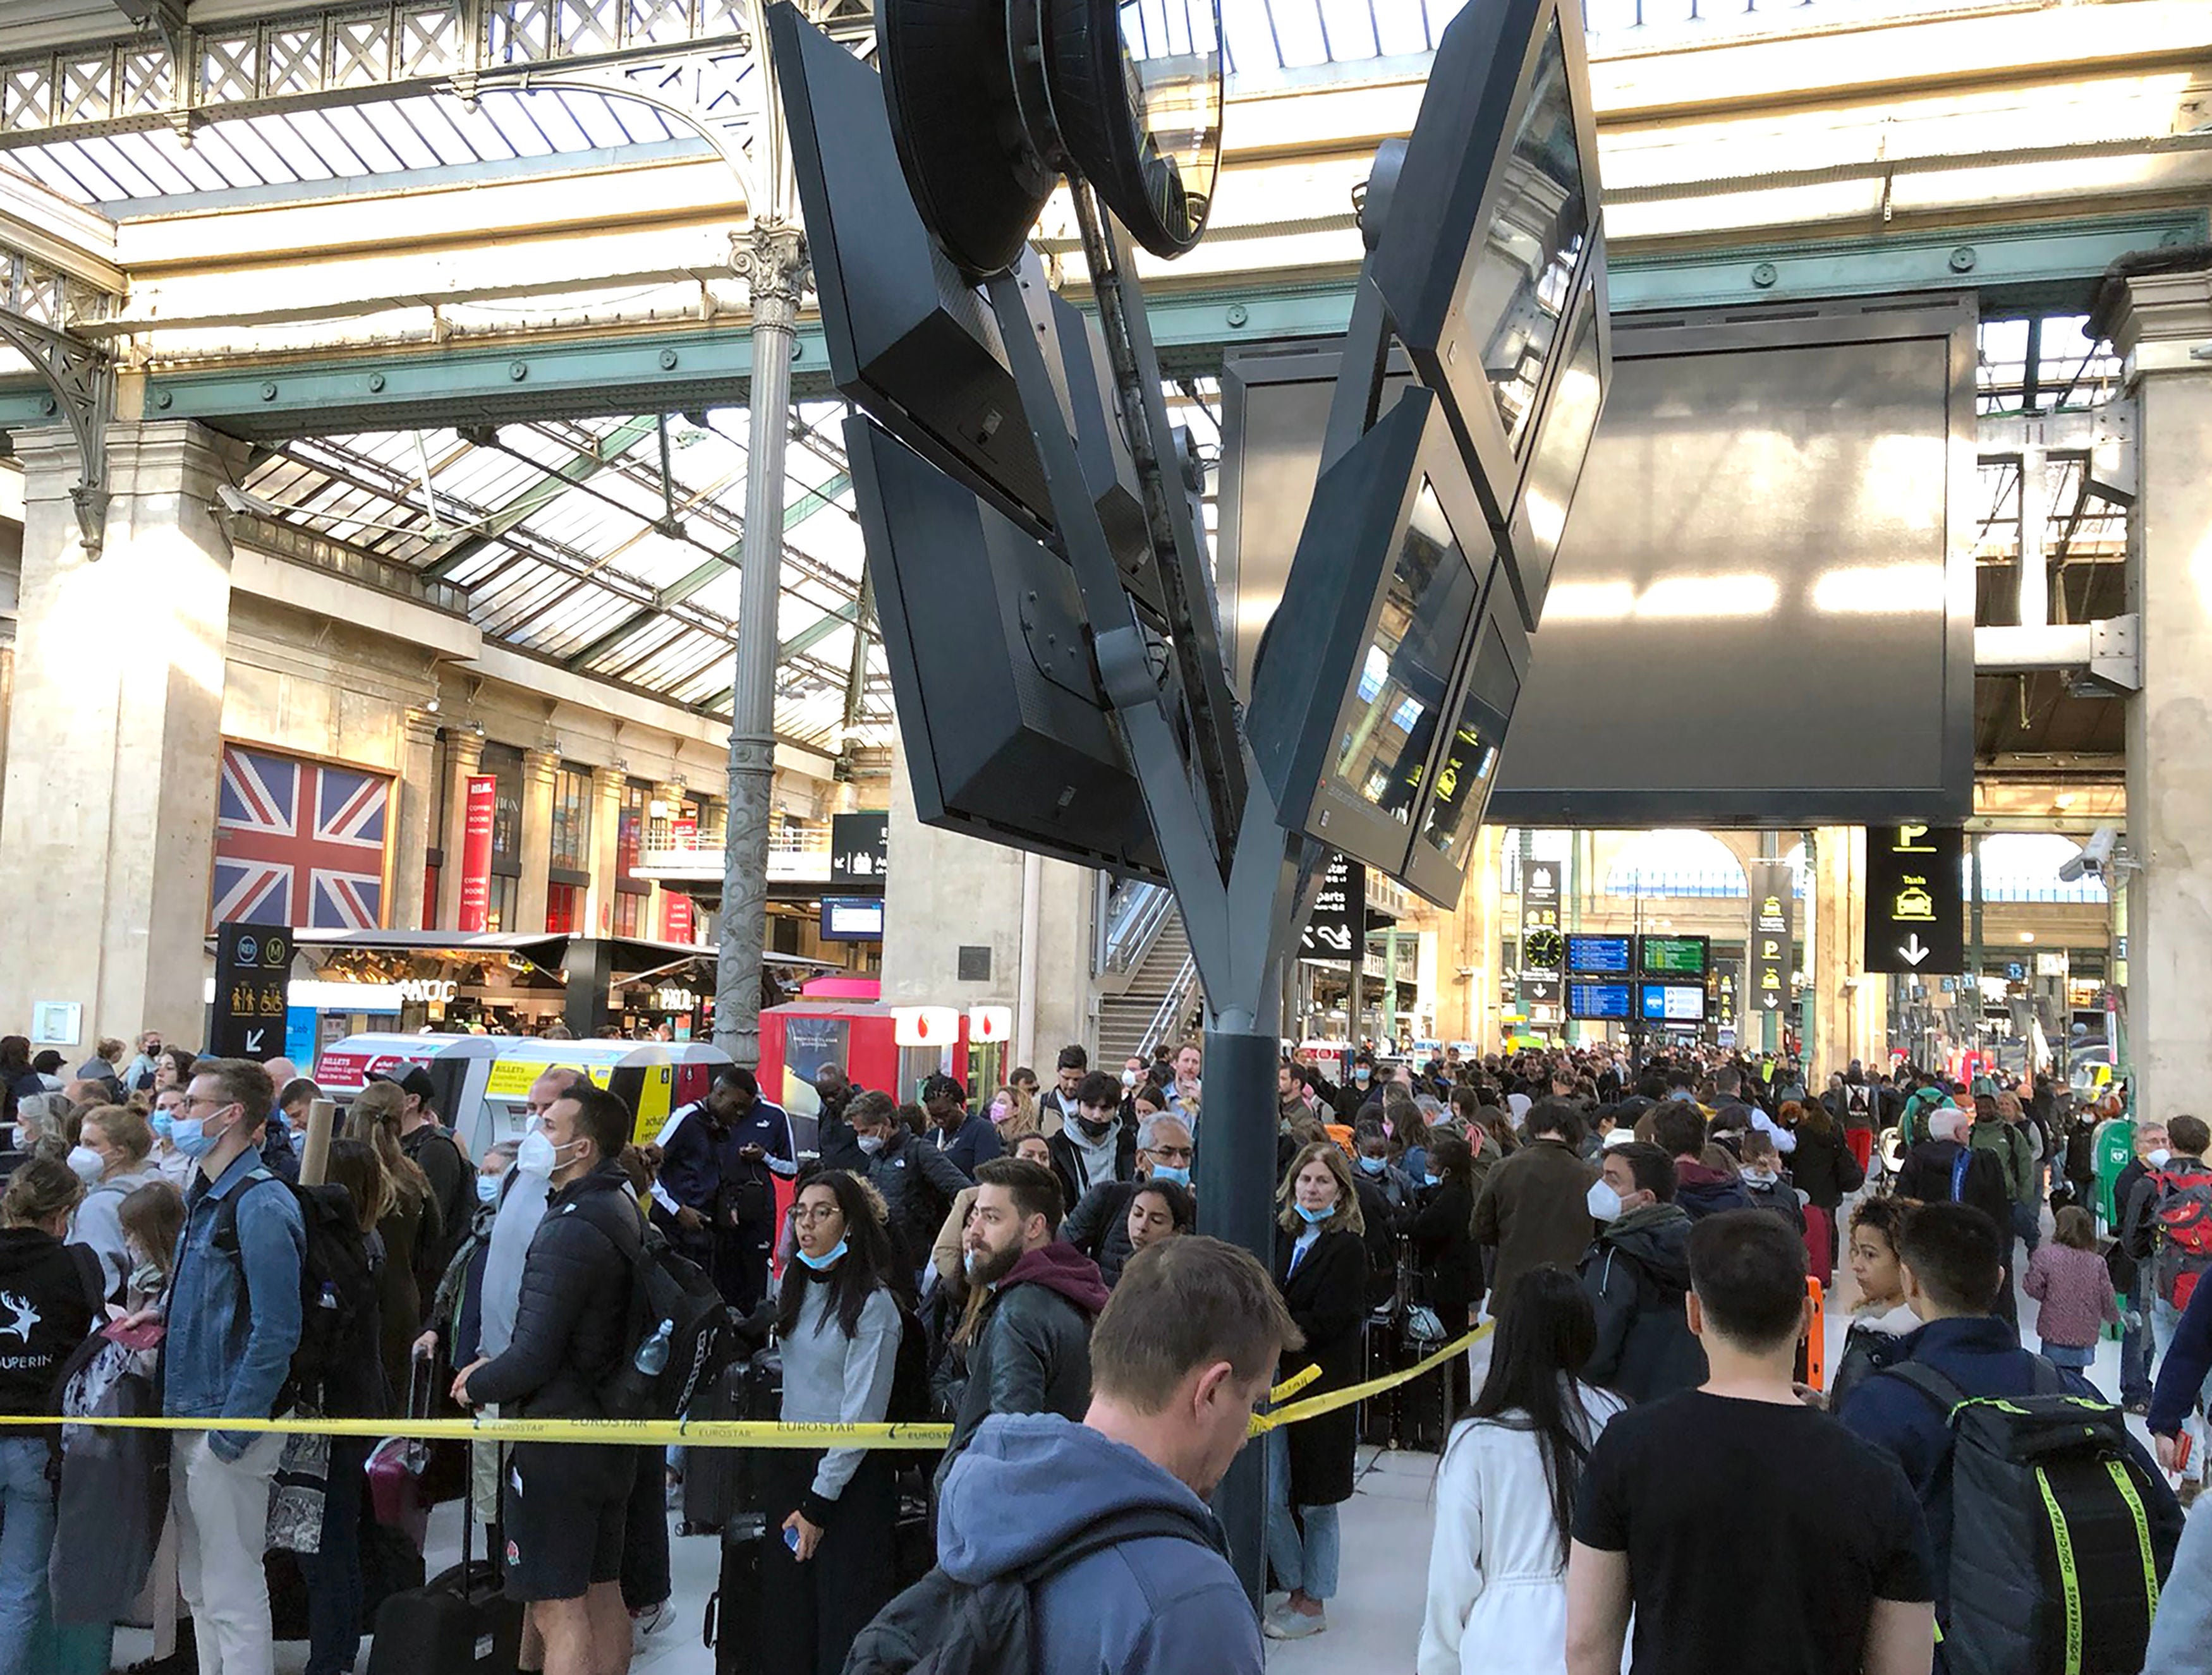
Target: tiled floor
{"points": [[1374, 1622]]}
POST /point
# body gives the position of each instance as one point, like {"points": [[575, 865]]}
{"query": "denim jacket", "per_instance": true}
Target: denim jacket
{"points": [[233, 1320]]}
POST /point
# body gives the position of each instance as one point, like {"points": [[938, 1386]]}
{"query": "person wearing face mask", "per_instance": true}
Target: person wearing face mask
{"points": [[233, 1322], [1447, 1266], [1764, 1181], [1098, 1226], [2131, 1278], [918, 1181], [109, 1157], [1321, 1268], [1637, 1274], [566, 1504], [835, 1509], [1096, 1145], [173, 1166]]}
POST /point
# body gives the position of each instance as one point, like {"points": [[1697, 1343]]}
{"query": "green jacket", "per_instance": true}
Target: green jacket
{"points": [[2015, 1151]]}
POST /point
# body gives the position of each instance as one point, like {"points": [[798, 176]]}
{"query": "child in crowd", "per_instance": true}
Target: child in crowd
{"points": [[2070, 1281]]}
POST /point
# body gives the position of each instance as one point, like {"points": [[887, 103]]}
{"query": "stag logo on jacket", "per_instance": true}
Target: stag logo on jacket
{"points": [[21, 1317]]}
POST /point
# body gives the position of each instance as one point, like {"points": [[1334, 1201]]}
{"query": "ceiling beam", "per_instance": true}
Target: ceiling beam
{"points": [[542, 493]]}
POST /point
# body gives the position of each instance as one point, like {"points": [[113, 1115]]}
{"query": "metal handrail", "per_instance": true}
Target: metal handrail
{"points": [[1134, 914], [1170, 1014]]}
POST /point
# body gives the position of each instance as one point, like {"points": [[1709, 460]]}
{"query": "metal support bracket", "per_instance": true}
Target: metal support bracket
{"points": [[2106, 654], [81, 378]]}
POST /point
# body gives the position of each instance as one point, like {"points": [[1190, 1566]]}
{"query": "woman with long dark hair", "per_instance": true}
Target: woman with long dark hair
{"points": [[1505, 1490], [828, 1566], [1825, 1168], [1447, 1264]]}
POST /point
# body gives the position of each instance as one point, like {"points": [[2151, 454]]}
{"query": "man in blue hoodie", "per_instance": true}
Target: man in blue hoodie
{"points": [[1179, 1358]]}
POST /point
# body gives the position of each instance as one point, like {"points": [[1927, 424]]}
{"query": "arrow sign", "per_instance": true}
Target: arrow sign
{"points": [[1912, 950], [254, 1043], [1773, 1002]]}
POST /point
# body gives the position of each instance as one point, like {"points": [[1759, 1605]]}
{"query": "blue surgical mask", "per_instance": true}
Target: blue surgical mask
{"points": [[828, 1258], [164, 1124], [488, 1189], [1316, 1217], [1432, 1180], [190, 1136], [1165, 1172], [1362, 1073], [1374, 1165]]}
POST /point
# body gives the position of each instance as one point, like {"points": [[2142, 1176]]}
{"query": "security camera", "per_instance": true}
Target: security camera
{"points": [[2094, 857]]}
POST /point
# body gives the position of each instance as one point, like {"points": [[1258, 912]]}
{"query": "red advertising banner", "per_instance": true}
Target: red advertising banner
{"points": [[475, 853], [675, 916]]}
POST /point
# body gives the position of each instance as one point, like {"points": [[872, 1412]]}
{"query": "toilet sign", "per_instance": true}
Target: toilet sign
{"points": [[252, 974]]}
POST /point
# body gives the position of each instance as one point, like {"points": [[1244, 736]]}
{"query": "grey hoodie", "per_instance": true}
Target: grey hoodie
{"points": [[1159, 1605], [2181, 1635]]}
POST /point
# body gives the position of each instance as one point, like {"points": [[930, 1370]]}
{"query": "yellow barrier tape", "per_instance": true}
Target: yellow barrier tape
{"points": [[1313, 1406], [1290, 1385], [658, 1433], [722, 1433]]}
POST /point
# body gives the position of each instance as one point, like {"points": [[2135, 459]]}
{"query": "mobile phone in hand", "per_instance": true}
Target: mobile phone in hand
{"points": [[791, 1539]]}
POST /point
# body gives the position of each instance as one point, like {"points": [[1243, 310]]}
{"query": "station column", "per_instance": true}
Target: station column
{"points": [[1850, 1008], [418, 800], [115, 734], [2160, 328], [463, 755], [539, 768], [607, 785]]}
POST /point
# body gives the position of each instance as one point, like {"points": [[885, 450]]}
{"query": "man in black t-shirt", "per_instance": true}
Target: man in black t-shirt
{"points": [[1679, 1490]]}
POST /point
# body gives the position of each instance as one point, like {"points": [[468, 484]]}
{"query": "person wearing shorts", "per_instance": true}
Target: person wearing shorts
{"points": [[565, 1502]]}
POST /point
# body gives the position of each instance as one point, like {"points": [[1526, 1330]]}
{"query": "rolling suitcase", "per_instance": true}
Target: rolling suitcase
{"points": [[1378, 1415], [734, 1606], [1425, 1403], [460, 1623], [719, 1483]]}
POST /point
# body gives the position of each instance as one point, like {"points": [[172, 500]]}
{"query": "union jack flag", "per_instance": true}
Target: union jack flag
{"points": [[299, 843]]}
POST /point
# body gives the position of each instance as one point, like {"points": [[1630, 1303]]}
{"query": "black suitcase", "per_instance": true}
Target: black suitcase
{"points": [[720, 1483], [734, 1606], [461, 1623], [1425, 1404], [1378, 1415]]}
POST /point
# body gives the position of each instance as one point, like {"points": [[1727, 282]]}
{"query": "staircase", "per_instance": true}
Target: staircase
{"points": [[1131, 1021]]}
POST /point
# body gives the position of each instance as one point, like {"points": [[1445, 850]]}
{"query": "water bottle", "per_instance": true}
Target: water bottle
{"points": [[653, 1354]]}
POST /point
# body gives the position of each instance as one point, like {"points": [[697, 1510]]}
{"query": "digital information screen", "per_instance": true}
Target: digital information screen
{"points": [[1598, 956], [852, 918], [1597, 1002], [1673, 956], [1673, 1003]]}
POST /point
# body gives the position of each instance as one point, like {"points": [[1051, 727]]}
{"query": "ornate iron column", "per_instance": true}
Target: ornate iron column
{"points": [[773, 262]]}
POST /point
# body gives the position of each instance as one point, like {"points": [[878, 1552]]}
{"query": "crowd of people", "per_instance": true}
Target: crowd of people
{"points": [[1029, 1264]]}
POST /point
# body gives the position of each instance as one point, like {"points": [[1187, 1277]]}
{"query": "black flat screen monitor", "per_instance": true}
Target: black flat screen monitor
{"points": [[1358, 675], [1598, 1002], [1598, 956], [852, 918], [1672, 1003], [1673, 956], [1006, 736], [1458, 789]]}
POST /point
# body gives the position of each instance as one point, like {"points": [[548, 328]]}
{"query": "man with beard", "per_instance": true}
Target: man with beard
{"points": [[1028, 1340]]}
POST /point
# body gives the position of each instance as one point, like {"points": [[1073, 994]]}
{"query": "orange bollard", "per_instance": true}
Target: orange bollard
{"points": [[1816, 1338]]}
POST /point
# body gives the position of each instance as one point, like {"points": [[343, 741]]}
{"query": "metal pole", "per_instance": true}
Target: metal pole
{"points": [[1974, 944], [1236, 1172], [775, 264]]}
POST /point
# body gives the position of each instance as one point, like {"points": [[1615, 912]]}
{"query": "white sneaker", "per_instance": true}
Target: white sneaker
{"points": [[649, 1621], [1283, 1624]]}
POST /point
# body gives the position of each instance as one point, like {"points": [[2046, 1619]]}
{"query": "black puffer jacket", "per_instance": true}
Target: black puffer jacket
{"points": [[1636, 1275], [574, 1315], [1031, 1353], [919, 1183], [1098, 1226]]}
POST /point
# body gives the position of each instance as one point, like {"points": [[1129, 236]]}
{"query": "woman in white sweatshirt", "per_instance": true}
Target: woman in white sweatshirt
{"points": [[1505, 1490]]}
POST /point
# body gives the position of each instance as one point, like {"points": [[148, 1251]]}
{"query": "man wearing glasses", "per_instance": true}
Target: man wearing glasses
{"points": [[1098, 1226], [233, 1322]]}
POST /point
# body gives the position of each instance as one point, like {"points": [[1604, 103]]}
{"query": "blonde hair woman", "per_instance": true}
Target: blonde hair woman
{"points": [[1321, 1268], [407, 1221], [1013, 1114]]}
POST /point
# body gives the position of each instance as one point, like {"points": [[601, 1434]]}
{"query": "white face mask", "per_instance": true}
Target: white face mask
{"points": [[2158, 1158], [536, 1155], [1604, 1202], [86, 1164], [871, 1144]]}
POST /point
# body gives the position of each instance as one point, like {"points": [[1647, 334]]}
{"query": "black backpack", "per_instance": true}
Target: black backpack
{"points": [[943, 1627], [2056, 1558], [672, 1291], [337, 1288]]}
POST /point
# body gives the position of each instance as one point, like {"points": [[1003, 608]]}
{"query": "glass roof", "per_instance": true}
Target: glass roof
{"points": [[607, 567]]}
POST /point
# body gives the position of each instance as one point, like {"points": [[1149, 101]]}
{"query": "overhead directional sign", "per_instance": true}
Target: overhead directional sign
{"points": [[1773, 901], [860, 848], [252, 972], [1338, 928], [1916, 916]]}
